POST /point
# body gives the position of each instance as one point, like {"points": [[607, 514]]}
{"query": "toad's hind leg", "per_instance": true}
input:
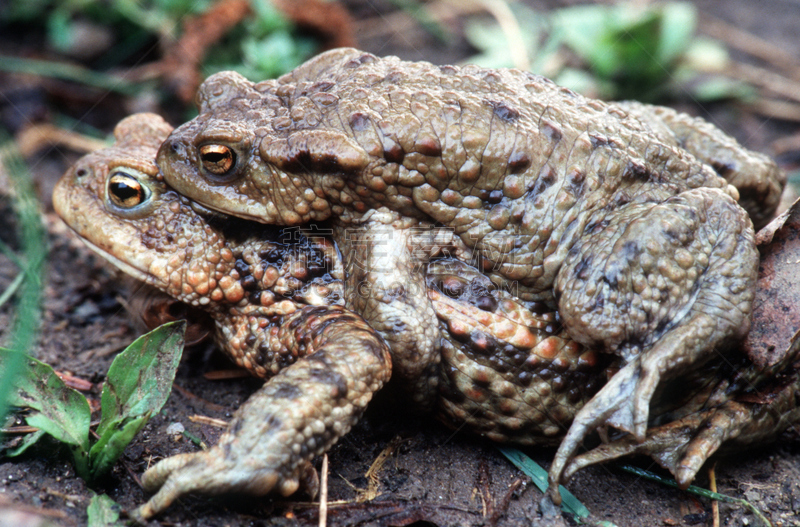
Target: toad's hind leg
{"points": [[682, 446], [662, 285]]}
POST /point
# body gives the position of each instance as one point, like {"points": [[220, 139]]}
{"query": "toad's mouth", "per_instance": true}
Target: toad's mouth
{"points": [[237, 230], [124, 266], [206, 212], [213, 214]]}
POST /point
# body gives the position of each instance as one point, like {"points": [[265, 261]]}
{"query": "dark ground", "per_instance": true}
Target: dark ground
{"points": [[435, 476]]}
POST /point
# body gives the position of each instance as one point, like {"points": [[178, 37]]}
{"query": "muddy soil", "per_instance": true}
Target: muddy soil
{"points": [[434, 476]]}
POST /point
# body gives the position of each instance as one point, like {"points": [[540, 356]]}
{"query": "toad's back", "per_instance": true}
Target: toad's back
{"points": [[515, 164]]}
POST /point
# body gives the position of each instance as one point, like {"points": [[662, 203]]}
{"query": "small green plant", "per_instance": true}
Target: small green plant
{"points": [[264, 45], [634, 47], [628, 50], [137, 385]]}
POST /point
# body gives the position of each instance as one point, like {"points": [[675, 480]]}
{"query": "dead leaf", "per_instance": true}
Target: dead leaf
{"points": [[776, 310], [156, 308]]}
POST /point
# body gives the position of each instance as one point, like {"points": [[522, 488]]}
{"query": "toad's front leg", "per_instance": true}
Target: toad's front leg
{"points": [[386, 258], [296, 415], [664, 286]]}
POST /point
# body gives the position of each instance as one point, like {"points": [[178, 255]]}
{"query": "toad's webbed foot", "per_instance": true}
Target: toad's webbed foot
{"points": [[211, 472], [684, 445], [661, 285], [295, 416]]}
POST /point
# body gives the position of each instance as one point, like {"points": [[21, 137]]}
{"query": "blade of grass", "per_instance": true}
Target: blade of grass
{"points": [[69, 72], [698, 491], [156, 21], [12, 288], [569, 504], [33, 245]]}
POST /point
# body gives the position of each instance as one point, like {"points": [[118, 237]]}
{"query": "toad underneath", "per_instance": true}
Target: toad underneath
{"points": [[623, 217]]}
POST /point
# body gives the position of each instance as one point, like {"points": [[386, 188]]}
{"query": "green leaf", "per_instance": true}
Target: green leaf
{"points": [[110, 446], [633, 46], [60, 30], [103, 512], [27, 441], [267, 19], [58, 410], [140, 378], [637, 47], [138, 384], [678, 22], [582, 28], [274, 54]]}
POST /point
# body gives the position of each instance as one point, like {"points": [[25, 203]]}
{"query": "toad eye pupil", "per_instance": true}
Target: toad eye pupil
{"points": [[125, 192], [217, 159]]}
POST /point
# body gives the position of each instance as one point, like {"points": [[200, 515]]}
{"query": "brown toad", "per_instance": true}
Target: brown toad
{"points": [[615, 214]]}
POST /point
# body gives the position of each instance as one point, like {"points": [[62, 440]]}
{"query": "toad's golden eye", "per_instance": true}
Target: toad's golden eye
{"points": [[125, 191], [217, 159]]}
